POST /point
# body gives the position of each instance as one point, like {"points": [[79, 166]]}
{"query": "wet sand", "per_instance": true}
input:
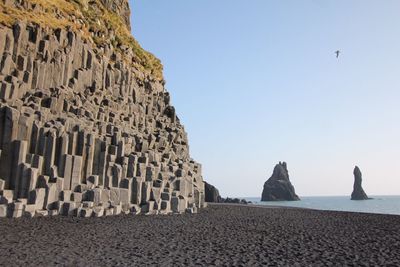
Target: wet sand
{"points": [[230, 235]]}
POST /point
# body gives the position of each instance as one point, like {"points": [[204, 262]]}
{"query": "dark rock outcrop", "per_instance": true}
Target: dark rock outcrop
{"points": [[211, 193], [358, 191], [235, 201], [278, 187], [212, 196]]}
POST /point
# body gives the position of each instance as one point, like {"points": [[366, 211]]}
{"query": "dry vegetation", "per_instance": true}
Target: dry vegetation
{"points": [[90, 18]]}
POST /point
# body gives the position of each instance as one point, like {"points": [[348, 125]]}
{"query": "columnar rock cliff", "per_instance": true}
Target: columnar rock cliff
{"points": [[358, 191], [278, 187], [86, 124]]}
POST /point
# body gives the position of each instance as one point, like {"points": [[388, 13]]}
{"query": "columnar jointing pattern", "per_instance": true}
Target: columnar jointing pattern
{"points": [[83, 132]]}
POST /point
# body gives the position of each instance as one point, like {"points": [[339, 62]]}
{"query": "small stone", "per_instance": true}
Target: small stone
{"points": [[3, 210], [98, 211], [68, 209], [117, 209], [41, 213], [86, 212], [6, 196], [53, 212], [109, 212]]}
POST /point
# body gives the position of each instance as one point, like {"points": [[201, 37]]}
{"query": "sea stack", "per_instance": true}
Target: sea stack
{"points": [[279, 187], [86, 124], [211, 193], [358, 191]]}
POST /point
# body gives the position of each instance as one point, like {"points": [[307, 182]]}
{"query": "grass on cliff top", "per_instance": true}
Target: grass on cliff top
{"points": [[91, 18]]}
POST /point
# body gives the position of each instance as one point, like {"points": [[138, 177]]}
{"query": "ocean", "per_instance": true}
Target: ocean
{"points": [[379, 204]]}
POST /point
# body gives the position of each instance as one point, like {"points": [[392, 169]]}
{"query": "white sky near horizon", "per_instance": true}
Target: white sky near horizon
{"points": [[256, 82]]}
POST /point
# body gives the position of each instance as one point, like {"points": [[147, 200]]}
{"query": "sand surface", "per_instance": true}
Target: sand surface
{"points": [[228, 235]]}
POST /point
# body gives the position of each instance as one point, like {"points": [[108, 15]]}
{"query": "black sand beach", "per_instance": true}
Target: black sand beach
{"points": [[219, 235]]}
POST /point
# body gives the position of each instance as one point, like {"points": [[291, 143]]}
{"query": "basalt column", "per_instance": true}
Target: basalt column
{"points": [[86, 124]]}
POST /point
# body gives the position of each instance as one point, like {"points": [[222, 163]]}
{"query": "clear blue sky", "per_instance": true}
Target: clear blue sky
{"points": [[256, 82]]}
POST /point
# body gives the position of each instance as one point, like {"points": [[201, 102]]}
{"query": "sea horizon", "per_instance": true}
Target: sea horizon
{"points": [[378, 204], [349, 195]]}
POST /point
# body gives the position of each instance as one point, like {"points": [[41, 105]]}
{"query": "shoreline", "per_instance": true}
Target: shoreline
{"points": [[301, 208], [256, 206], [221, 234]]}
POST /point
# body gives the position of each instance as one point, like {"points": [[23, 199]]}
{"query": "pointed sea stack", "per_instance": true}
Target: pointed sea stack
{"points": [[358, 191], [279, 187]]}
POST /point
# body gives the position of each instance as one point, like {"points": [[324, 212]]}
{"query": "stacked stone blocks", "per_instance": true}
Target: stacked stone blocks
{"points": [[83, 132]]}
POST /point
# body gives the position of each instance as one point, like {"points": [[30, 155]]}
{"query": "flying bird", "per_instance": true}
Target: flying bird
{"points": [[337, 53]]}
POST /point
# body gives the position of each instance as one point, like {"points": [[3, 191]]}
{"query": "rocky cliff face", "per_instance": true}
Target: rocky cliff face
{"points": [[211, 193], [278, 187], [358, 191], [86, 125]]}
